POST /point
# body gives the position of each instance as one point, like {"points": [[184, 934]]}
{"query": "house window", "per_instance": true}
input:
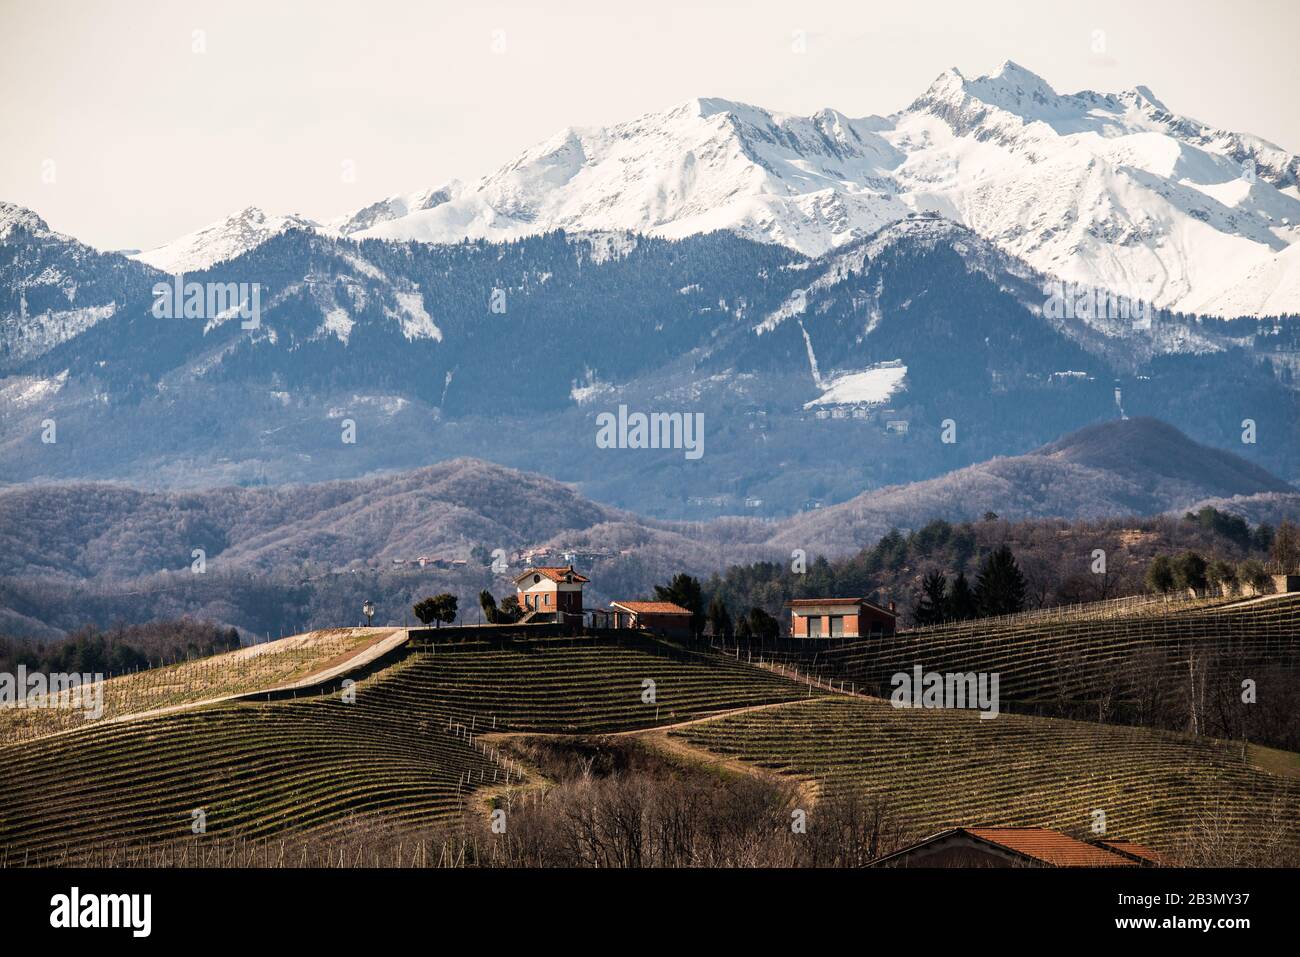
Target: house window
{"points": [[814, 626], [837, 626]]}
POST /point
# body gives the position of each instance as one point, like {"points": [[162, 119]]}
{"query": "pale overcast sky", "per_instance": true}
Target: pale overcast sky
{"points": [[146, 139]]}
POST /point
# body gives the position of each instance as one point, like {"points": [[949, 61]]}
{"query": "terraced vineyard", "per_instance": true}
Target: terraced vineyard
{"points": [[253, 770], [1091, 653], [406, 747], [249, 669], [940, 768], [578, 688]]}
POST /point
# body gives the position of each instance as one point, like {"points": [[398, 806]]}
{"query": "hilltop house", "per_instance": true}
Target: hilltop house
{"points": [[550, 592], [1018, 847], [840, 618], [663, 617]]}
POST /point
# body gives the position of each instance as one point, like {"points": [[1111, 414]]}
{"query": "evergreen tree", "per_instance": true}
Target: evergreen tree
{"points": [[999, 586], [763, 626], [1223, 576], [426, 610], [1253, 573], [962, 605], [438, 608], [1160, 575], [1189, 572], [1262, 538], [718, 618], [685, 591], [509, 612], [932, 604], [489, 606]]}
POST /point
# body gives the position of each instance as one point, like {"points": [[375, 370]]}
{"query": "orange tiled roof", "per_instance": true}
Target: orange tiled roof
{"points": [[1050, 847], [555, 573], [651, 607], [1134, 849]]}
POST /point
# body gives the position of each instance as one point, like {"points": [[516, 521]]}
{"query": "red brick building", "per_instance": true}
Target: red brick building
{"points": [[663, 617], [551, 590], [840, 618]]}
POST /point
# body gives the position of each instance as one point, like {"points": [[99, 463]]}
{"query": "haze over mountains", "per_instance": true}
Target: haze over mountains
{"points": [[107, 542]]}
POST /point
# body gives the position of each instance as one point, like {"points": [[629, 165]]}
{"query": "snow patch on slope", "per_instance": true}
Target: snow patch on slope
{"points": [[874, 386]]}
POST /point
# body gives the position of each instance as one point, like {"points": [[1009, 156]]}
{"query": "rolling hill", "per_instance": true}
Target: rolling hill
{"points": [[303, 556], [1135, 466], [415, 743], [407, 747], [941, 769]]}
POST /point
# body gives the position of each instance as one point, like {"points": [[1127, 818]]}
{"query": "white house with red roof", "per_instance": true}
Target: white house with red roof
{"points": [[550, 591]]}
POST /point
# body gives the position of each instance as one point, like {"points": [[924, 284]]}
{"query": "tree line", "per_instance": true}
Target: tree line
{"points": [[1190, 571], [90, 650]]}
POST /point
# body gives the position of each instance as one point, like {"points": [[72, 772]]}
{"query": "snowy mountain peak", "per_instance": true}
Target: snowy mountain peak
{"points": [[13, 216], [1012, 91], [1142, 97], [706, 106], [1108, 189], [1016, 90], [222, 241], [395, 207]]}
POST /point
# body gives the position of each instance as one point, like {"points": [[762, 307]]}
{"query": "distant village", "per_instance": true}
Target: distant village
{"points": [[527, 556]]}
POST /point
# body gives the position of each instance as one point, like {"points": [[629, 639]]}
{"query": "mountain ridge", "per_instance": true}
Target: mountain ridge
{"points": [[455, 504], [1085, 186]]}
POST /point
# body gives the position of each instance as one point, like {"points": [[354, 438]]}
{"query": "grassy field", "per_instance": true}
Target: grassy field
{"points": [[942, 768]]}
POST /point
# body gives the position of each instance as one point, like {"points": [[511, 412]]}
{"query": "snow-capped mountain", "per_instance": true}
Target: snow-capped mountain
{"points": [[810, 183], [394, 207], [53, 288], [222, 241], [1107, 189]]}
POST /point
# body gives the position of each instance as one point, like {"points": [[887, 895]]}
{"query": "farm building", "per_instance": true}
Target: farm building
{"points": [[840, 618], [550, 591], [1018, 847], [663, 617], [1139, 852]]}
